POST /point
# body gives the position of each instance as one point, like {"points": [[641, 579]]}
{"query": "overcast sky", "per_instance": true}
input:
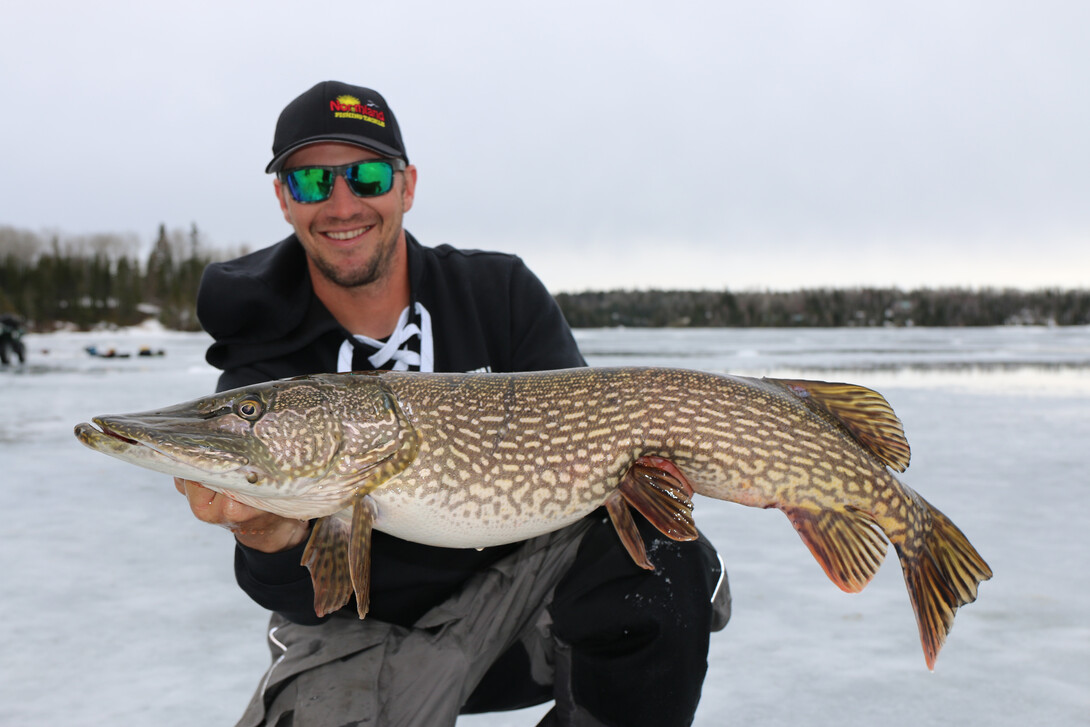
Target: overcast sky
{"points": [[630, 144]]}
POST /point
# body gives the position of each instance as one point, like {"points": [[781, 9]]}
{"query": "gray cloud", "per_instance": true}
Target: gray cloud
{"points": [[707, 144]]}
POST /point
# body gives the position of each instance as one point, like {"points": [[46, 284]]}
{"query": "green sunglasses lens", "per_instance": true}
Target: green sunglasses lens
{"points": [[310, 185], [370, 179], [315, 184]]}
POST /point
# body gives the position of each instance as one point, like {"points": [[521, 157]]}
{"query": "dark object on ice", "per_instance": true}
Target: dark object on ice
{"points": [[145, 351], [108, 353], [12, 329]]}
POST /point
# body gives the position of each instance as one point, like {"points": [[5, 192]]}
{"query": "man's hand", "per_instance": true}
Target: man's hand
{"points": [[253, 528]]}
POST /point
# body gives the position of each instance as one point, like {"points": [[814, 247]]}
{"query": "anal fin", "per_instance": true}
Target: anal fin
{"points": [[846, 543]]}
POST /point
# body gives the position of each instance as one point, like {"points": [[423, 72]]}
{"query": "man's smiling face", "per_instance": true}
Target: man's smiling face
{"points": [[349, 240]]}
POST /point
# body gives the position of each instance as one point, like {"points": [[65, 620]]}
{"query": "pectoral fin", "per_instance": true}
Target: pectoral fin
{"points": [[359, 552], [338, 556], [326, 557]]}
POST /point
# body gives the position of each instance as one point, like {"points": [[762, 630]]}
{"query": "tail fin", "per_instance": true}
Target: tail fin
{"points": [[942, 577]]}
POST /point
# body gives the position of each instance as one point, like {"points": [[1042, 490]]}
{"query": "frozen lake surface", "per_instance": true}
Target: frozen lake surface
{"points": [[120, 608]]}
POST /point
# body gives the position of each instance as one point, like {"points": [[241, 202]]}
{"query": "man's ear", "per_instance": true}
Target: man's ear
{"points": [[282, 199], [408, 188]]}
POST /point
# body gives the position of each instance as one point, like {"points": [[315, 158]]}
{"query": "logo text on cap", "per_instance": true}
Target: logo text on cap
{"points": [[349, 107]]}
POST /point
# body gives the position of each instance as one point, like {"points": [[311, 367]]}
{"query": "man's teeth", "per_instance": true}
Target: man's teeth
{"points": [[347, 235]]}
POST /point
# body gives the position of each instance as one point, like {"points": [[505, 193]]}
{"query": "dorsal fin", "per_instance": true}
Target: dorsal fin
{"points": [[865, 413]]}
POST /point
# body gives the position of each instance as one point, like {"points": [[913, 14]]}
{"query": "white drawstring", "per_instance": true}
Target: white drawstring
{"points": [[391, 349]]}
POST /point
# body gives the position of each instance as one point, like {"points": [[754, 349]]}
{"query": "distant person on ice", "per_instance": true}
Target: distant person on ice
{"points": [[566, 617], [12, 330]]}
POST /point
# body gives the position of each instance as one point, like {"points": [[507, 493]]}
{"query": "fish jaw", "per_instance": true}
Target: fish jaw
{"points": [[300, 448], [230, 474], [224, 468]]}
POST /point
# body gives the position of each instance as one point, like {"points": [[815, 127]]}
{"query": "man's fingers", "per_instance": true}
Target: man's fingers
{"points": [[255, 528], [211, 507]]}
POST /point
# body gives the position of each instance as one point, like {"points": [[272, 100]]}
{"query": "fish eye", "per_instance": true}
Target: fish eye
{"points": [[250, 409]]}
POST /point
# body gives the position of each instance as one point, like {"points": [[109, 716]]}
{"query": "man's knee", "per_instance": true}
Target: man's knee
{"points": [[638, 639]]}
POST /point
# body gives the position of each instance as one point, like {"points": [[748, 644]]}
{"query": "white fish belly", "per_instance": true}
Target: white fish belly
{"points": [[472, 525]]}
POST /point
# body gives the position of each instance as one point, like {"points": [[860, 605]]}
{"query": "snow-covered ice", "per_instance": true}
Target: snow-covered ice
{"points": [[120, 608]]}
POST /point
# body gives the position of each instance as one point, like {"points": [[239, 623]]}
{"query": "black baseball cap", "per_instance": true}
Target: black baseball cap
{"points": [[335, 111]]}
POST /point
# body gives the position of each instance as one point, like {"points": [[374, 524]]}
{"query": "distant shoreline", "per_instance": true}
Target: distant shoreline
{"points": [[808, 308], [826, 308], [83, 286]]}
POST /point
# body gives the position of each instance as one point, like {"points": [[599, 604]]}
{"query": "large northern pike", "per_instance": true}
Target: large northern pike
{"points": [[473, 460]]}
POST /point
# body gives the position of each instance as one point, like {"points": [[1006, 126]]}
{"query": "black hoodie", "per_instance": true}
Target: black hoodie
{"points": [[487, 311]]}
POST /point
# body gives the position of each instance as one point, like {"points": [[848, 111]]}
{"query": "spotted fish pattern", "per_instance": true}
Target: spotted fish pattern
{"points": [[473, 460]]}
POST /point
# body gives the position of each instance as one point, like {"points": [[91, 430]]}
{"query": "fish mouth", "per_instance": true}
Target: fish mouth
{"points": [[100, 437], [104, 428], [162, 454]]}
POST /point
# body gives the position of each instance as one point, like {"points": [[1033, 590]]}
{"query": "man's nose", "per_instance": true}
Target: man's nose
{"points": [[342, 203]]}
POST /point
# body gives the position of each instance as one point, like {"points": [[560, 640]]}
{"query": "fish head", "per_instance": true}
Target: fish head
{"points": [[312, 438]]}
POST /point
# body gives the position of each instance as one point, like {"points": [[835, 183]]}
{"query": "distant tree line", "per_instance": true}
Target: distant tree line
{"points": [[98, 280], [826, 307], [95, 280]]}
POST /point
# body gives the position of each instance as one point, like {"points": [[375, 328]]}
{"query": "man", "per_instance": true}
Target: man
{"points": [[566, 616], [12, 329]]}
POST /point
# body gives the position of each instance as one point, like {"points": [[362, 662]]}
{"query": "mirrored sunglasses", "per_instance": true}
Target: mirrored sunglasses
{"points": [[369, 178]]}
